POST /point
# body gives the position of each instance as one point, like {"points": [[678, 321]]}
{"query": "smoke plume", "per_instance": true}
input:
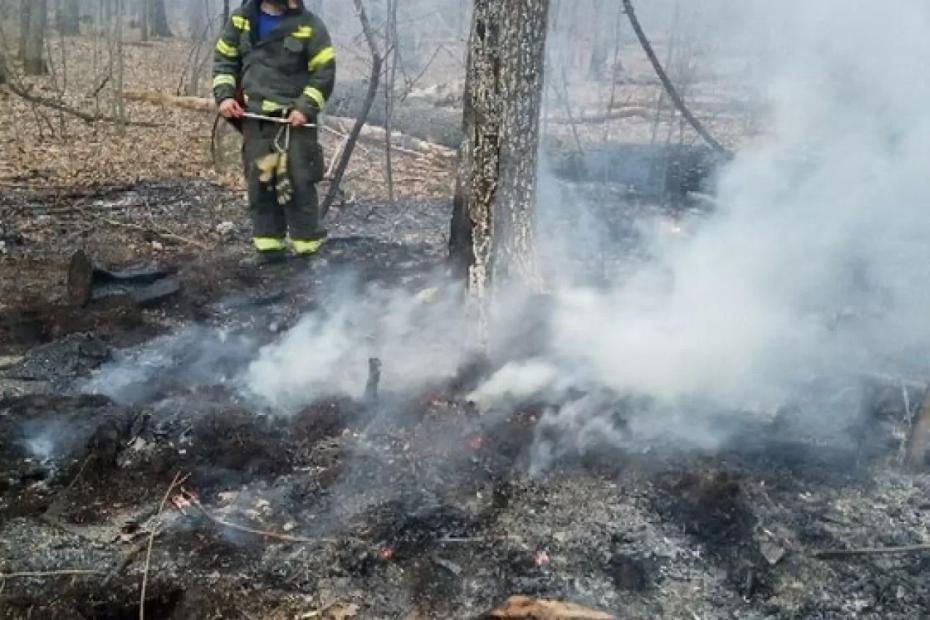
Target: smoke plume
{"points": [[809, 275], [814, 264]]}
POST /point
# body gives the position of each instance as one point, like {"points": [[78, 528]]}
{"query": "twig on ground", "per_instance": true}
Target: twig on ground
{"points": [[833, 554], [51, 573], [164, 234], [125, 561], [254, 531], [62, 107], [478, 539], [148, 551]]}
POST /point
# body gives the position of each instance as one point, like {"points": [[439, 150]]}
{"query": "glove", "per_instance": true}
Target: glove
{"points": [[267, 166]]}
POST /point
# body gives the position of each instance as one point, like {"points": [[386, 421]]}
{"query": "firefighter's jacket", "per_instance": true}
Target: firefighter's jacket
{"points": [[294, 67]]}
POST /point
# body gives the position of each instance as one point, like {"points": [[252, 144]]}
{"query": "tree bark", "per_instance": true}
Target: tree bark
{"points": [[492, 240], [34, 46]]}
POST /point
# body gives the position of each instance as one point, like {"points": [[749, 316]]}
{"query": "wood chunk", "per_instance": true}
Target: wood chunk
{"points": [[80, 279], [527, 608]]}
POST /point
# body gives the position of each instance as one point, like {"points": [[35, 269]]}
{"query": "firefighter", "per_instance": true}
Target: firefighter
{"points": [[276, 59]]}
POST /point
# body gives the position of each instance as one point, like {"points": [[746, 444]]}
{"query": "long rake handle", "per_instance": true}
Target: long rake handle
{"points": [[273, 119]]}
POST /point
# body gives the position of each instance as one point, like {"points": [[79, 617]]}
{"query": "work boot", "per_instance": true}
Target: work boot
{"points": [[306, 249]]}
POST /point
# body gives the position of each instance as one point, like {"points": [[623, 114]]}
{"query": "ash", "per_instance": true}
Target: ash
{"points": [[412, 500]]}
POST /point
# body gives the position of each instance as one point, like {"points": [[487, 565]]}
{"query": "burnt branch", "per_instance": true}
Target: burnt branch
{"points": [[835, 554], [667, 83], [376, 63]]}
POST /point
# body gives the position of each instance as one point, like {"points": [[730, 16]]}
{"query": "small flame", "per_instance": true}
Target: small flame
{"points": [[386, 553], [541, 559], [476, 442]]}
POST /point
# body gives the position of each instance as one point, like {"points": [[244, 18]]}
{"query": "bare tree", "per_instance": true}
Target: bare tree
{"points": [[667, 82], [25, 9], [69, 17], [32, 44], [377, 62], [145, 14], [391, 48], [119, 101], [493, 237], [154, 19]]}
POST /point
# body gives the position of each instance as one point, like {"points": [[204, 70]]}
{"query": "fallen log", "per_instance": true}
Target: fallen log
{"points": [[426, 124], [409, 145], [526, 608], [438, 125], [649, 169], [341, 123], [196, 104], [613, 115]]}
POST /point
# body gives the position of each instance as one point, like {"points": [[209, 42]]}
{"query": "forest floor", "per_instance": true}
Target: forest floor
{"points": [[405, 505], [409, 505]]}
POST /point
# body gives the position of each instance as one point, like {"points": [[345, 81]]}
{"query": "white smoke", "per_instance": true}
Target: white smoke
{"points": [[326, 354], [815, 263]]}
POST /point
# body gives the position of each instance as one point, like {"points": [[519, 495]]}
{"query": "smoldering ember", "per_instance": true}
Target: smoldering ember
{"points": [[533, 309]]}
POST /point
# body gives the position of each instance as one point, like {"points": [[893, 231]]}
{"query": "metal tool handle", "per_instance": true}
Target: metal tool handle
{"points": [[274, 119]]}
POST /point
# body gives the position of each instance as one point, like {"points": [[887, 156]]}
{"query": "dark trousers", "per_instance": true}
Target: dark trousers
{"points": [[301, 216]]}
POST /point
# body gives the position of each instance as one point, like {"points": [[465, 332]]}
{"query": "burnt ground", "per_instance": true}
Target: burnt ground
{"points": [[408, 504]]}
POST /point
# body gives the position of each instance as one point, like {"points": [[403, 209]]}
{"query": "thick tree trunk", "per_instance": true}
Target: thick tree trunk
{"points": [[493, 234], [34, 46], [69, 17]]}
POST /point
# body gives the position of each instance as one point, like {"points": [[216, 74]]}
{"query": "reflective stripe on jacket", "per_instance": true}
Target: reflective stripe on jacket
{"points": [[293, 68]]}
